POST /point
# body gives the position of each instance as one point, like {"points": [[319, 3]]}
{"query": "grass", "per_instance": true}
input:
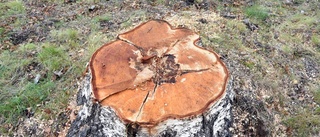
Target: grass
{"points": [[53, 57], [249, 64], [315, 40], [68, 37], [237, 26], [13, 10], [301, 21], [19, 93], [287, 49], [292, 28], [60, 52], [15, 7], [304, 124], [1, 31], [257, 12], [105, 17], [94, 41], [29, 97], [317, 95]]}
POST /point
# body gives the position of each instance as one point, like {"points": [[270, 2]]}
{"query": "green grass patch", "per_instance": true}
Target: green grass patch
{"points": [[17, 93], [238, 26], [11, 66], [67, 37], [15, 7], [96, 40], [12, 13], [301, 21], [249, 64], [287, 49], [105, 17], [315, 39], [29, 97], [1, 31], [26, 48], [298, 23], [230, 40], [290, 39], [53, 57], [317, 111], [257, 12], [304, 124], [126, 24], [316, 95]]}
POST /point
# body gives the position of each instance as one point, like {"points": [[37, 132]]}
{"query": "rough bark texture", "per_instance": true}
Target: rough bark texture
{"points": [[95, 120]]}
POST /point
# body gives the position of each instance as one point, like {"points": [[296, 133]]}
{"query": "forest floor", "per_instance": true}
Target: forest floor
{"points": [[272, 50]]}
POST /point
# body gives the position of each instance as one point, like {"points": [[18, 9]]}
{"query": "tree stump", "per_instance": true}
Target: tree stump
{"points": [[154, 81]]}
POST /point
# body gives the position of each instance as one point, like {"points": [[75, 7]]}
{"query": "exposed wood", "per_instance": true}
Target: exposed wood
{"points": [[98, 121], [154, 81]]}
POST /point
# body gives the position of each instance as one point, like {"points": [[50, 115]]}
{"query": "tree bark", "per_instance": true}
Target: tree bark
{"points": [[99, 121]]}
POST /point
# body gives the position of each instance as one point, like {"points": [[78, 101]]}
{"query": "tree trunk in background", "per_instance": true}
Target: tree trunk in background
{"points": [[95, 120]]}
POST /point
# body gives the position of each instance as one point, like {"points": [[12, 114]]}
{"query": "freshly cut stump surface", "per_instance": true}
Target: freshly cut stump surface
{"points": [[154, 81], [155, 72]]}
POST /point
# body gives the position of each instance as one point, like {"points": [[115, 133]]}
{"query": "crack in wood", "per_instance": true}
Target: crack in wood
{"points": [[99, 101], [182, 72], [145, 100], [154, 90], [156, 79], [142, 105], [165, 71]]}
